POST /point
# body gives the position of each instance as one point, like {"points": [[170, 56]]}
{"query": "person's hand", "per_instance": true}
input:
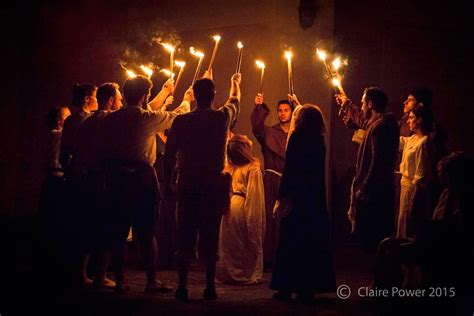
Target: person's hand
{"points": [[282, 208], [189, 95], [346, 119], [361, 196], [341, 98], [236, 78], [259, 99], [168, 86], [208, 74], [169, 100], [351, 217], [293, 98]]}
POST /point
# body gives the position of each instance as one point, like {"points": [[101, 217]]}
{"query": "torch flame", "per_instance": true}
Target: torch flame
{"points": [[167, 72], [336, 82], [217, 38], [168, 47], [196, 52], [148, 71], [130, 73], [240, 45], [288, 54], [336, 63], [179, 63], [321, 54], [260, 64]]}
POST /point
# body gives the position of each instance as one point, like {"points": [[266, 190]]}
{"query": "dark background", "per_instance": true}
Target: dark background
{"points": [[49, 45]]}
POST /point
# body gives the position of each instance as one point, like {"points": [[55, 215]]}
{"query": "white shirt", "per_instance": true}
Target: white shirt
{"points": [[417, 157], [131, 132]]}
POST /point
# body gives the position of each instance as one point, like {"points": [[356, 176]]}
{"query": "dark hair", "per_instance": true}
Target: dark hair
{"points": [[239, 151], [106, 91], [80, 92], [204, 91], [426, 115], [310, 120], [135, 88], [53, 117], [283, 101], [378, 97], [423, 95]]}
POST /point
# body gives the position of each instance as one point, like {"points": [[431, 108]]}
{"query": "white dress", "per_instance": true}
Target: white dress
{"points": [[242, 229], [416, 170]]}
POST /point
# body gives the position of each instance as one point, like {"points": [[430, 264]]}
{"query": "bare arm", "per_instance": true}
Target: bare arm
{"points": [[159, 100]]}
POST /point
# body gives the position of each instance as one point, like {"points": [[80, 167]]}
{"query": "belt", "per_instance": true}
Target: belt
{"points": [[239, 194], [273, 171]]}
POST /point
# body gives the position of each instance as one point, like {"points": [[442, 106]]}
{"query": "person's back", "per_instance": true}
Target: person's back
{"points": [[202, 138], [197, 142]]}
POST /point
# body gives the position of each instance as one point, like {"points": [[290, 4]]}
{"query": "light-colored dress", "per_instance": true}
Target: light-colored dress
{"points": [[416, 169], [242, 229]]}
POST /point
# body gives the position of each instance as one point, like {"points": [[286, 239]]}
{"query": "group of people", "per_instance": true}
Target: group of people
{"points": [[239, 217], [412, 241]]}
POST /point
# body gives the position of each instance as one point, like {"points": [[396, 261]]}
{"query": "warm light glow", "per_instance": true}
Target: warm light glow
{"points": [[260, 64], [240, 45], [168, 47], [131, 74], [321, 54], [336, 82], [179, 63], [148, 71], [167, 73], [217, 38], [288, 54], [336, 63], [196, 52]]}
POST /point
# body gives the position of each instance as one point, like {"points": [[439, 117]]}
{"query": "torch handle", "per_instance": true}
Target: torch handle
{"points": [[212, 57]]}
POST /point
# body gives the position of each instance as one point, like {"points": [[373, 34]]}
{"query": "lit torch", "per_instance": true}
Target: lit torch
{"points": [[170, 48], [131, 74], [148, 71], [323, 56], [216, 38], [198, 68], [288, 56], [167, 73], [181, 65], [336, 82], [261, 65], [239, 58]]}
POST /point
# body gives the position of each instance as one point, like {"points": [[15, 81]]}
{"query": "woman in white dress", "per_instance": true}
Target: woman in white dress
{"points": [[416, 169], [243, 226]]}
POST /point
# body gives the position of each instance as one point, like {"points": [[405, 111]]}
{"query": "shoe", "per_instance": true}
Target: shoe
{"points": [[87, 282], [105, 284], [209, 293], [181, 294], [158, 288], [282, 296]]}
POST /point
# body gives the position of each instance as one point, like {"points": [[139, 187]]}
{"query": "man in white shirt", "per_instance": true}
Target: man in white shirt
{"points": [[130, 151]]}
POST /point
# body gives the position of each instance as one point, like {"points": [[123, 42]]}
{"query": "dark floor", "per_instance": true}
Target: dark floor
{"points": [[29, 292]]}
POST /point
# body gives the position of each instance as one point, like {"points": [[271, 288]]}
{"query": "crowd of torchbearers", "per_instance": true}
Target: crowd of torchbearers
{"points": [[116, 173]]}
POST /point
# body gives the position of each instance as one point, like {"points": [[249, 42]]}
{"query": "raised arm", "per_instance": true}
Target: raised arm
{"points": [[352, 115], [232, 107], [258, 117], [235, 87], [159, 100], [294, 99]]}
